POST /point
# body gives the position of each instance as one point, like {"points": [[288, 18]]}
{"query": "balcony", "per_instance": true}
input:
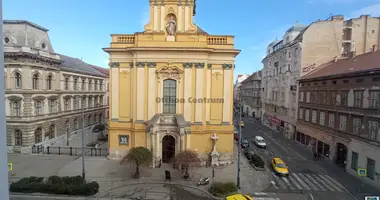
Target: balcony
{"points": [[181, 40]]}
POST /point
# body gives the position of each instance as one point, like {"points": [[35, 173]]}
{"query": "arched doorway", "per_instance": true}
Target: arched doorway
{"points": [[341, 154], [168, 149]]}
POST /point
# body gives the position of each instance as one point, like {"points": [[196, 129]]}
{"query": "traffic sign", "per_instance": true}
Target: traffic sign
{"points": [[10, 167], [362, 171]]}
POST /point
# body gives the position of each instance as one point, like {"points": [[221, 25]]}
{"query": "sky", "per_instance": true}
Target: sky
{"points": [[81, 28]]}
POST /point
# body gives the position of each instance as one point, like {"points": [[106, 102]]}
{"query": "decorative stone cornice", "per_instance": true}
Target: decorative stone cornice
{"points": [[227, 66], [188, 65], [209, 66], [114, 64], [151, 64], [199, 65], [140, 64]]}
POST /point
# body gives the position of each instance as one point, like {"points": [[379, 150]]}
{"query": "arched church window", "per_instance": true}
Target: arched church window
{"points": [[169, 96]]}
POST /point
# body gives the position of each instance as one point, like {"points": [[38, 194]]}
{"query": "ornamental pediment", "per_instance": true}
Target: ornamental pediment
{"points": [[169, 71]]}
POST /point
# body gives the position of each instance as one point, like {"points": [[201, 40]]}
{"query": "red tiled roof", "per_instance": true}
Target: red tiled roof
{"points": [[102, 70], [358, 63]]}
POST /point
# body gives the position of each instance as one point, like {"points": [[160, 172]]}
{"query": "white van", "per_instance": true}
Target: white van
{"points": [[260, 142]]}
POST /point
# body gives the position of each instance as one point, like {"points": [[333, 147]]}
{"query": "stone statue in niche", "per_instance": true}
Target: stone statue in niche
{"points": [[171, 26]]}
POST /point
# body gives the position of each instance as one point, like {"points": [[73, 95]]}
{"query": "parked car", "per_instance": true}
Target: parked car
{"points": [[244, 144], [236, 136], [279, 167], [257, 161], [238, 197], [260, 142], [249, 153], [242, 124]]}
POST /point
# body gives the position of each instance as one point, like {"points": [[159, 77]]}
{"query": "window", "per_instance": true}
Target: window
{"points": [[17, 80], [76, 103], [38, 108], [101, 85], [89, 102], [67, 104], [43, 45], [51, 106], [342, 122], [333, 98], [83, 84], [358, 99], [35, 81], [95, 118], [38, 135], [314, 97], [301, 96], [373, 128], [89, 84], [75, 83], [323, 99], [96, 85], [49, 80], [343, 98], [169, 97], [76, 124], [101, 100], [374, 100], [96, 101], [307, 97], [354, 161], [66, 83], [6, 40], [100, 118], [89, 120], [52, 131], [307, 117], [83, 102], [371, 168], [314, 116], [331, 120], [322, 118], [16, 108], [18, 138], [356, 125]]}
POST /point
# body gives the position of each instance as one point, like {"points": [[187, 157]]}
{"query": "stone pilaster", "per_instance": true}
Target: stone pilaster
{"points": [[27, 105]]}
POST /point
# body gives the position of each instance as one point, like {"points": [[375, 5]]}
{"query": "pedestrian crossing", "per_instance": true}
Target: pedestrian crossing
{"points": [[305, 181]]}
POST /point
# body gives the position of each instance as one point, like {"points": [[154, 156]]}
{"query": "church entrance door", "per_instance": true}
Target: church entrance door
{"points": [[168, 149]]}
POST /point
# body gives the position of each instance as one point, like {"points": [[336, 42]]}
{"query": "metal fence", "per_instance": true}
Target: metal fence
{"points": [[71, 151]]}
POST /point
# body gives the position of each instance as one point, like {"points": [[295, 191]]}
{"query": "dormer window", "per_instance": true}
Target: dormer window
{"points": [[43, 45], [6, 40]]}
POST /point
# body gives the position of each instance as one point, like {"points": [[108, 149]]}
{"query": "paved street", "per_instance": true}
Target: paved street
{"points": [[307, 176]]}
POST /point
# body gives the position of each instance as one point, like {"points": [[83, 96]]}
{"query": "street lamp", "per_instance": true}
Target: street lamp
{"points": [[239, 146]]}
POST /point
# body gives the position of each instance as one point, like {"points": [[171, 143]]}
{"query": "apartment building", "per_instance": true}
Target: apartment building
{"points": [[300, 52], [45, 92], [250, 92], [239, 79], [339, 113]]}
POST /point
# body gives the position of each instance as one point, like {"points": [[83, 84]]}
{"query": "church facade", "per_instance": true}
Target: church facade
{"points": [[171, 87]]}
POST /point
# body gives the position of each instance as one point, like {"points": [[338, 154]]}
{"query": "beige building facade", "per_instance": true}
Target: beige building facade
{"points": [[45, 91], [250, 92], [300, 52]]}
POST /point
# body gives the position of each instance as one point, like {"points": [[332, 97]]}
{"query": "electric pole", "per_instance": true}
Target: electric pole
{"points": [[4, 186]]}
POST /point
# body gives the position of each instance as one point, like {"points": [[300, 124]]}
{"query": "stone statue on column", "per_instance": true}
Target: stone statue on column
{"points": [[214, 154]]}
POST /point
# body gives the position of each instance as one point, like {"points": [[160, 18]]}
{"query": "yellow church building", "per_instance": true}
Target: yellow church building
{"points": [[172, 87]]}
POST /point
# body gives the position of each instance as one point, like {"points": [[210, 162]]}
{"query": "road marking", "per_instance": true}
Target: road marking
{"points": [[300, 181], [295, 182], [315, 182], [274, 184], [318, 178], [288, 183], [266, 198], [278, 181], [335, 181], [331, 184], [260, 193], [308, 182]]}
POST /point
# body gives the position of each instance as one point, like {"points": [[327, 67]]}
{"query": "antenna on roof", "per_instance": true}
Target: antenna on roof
{"points": [[330, 16]]}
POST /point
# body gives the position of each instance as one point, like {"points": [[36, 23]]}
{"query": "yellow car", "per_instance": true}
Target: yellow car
{"points": [[239, 197], [280, 167], [242, 124]]}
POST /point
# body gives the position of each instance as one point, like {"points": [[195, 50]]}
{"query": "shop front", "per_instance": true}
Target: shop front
{"points": [[271, 122]]}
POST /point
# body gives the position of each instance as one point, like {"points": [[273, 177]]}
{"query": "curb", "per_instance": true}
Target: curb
{"points": [[167, 183]]}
